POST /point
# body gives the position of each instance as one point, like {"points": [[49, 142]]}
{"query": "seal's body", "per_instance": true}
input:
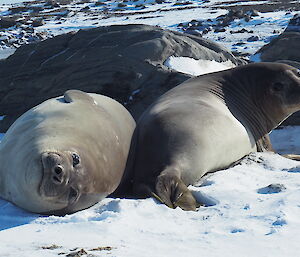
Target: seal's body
{"points": [[208, 123], [65, 154]]}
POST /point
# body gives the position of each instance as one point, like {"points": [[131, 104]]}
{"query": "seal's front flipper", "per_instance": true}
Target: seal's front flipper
{"points": [[171, 191], [77, 95], [294, 157]]}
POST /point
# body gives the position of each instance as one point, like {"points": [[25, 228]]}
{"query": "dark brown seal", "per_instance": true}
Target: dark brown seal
{"points": [[208, 123], [65, 154]]}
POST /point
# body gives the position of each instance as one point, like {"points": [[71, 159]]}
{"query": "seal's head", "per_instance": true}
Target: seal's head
{"points": [[58, 175], [284, 88], [269, 90], [59, 181], [67, 182]]}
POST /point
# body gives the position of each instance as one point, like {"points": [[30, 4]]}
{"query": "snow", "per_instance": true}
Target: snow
{"points": [[14, 1], [4, 53], [286, 141], [243, 215], [256, 57], [242, 218], [196, 67]]}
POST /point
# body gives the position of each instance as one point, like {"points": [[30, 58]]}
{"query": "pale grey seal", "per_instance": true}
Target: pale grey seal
{"points": [[65, 154]]}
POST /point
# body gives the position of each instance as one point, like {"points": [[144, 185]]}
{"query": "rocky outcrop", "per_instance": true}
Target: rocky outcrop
{"points": [[294, 24], [285, 46], [125, 62], [220, 24]]}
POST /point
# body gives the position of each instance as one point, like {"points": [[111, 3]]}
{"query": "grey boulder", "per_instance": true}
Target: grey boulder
{"points": [[125, 62]]}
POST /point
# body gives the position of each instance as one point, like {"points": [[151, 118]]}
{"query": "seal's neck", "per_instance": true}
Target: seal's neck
{"points": [[248, 105]]}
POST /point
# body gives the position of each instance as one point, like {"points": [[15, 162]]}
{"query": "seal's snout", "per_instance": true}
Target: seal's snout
{"points": [[50, 158], [53, 165], [54, 168], [58, 174]]}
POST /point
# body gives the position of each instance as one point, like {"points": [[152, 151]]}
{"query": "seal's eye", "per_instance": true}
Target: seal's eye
{"points": [[277, 87], [76, 159], [298, 72]]}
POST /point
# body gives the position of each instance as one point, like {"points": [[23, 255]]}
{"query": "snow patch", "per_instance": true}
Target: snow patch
{"points": [[4, 53], [255, 57], [196, 67], [286, 140]]}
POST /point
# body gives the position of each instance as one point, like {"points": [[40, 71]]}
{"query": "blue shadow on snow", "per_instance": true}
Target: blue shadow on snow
{"points": [[11, 216]]}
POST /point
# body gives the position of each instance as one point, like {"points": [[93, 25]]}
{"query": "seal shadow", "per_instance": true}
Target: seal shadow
{"points": [[272, 189], [202, 198], [294, 170], [12, 216]]}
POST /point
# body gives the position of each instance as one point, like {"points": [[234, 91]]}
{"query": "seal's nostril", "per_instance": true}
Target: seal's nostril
{"points": [[58, 170]]}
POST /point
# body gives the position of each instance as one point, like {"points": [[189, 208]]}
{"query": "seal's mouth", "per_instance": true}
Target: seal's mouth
{"points": [[56, 184], [73, 195]]}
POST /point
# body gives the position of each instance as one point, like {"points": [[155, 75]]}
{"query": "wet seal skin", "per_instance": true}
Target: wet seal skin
{"points": [[65, 154]]}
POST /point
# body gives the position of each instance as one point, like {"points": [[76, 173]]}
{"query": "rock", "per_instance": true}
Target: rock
{"points": [[121, 5], [222, 21], [85, 9], [7, 22], [252, 13], [125, 62], [294, 24], [238, 14], [84, 2], [182, 3], [247, 18], [140, 6], [52, 4], [36, 9], [18, 9], [7, 121], [293, 120], [239, 43], [64, 2], [220, 30], [38, 22], [283, 47], [100, 3], [272, 189], [253, 39], [241, 31]]}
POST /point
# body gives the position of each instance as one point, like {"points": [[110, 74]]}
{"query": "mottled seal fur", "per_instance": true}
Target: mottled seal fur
{"points": [[206, 124], [65, 154]]}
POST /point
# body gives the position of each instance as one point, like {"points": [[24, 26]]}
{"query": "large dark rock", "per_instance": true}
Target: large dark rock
{"points": [[7, 22], [283, 47], [125, 62], [294, 24]]}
